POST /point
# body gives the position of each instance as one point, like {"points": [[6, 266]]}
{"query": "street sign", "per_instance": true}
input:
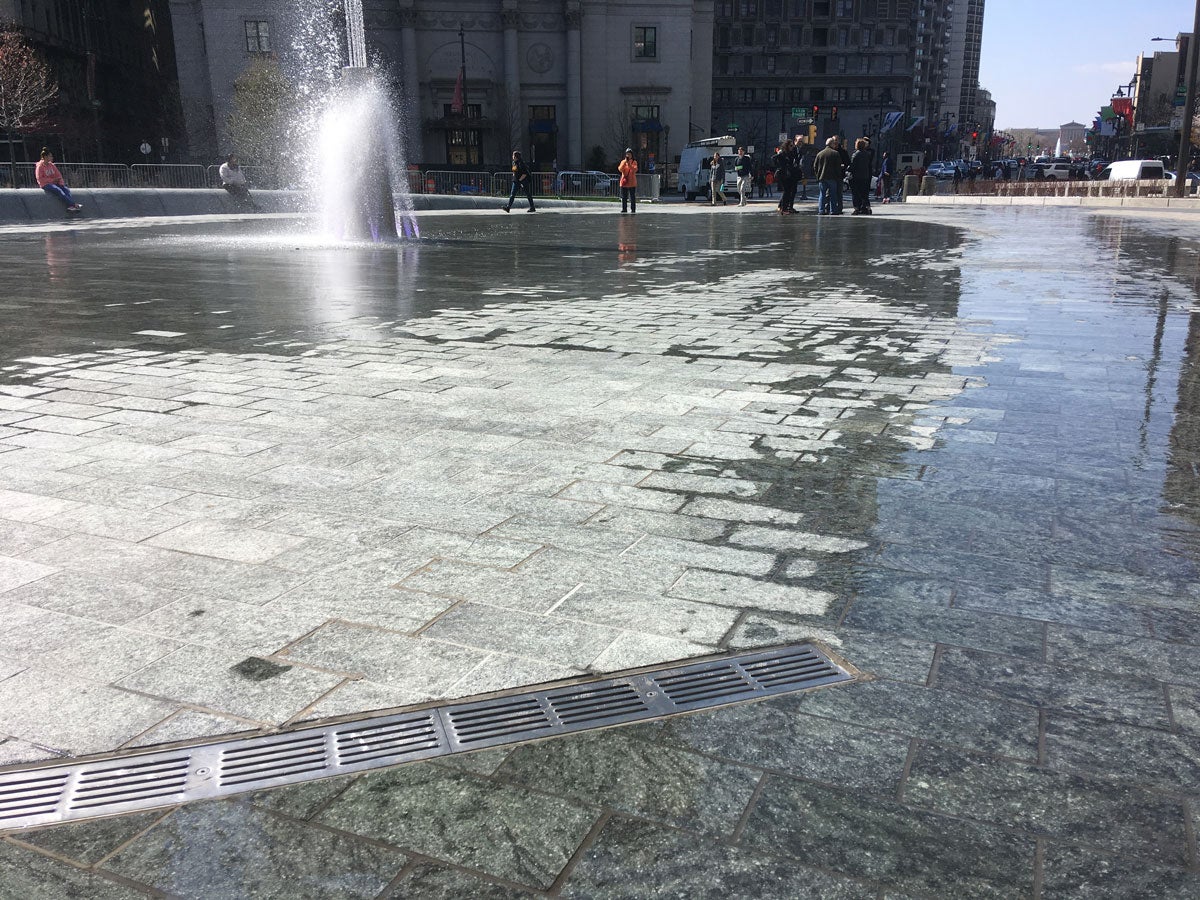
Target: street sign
{"points": [[783, 136], [801, 112], [145, 148], [732, 127]]}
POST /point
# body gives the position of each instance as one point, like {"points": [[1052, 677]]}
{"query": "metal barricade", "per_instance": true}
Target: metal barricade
{"points": [[262, 177], [168, 176], [586, 184], [458, 182], [416, 182], [76, 175]]}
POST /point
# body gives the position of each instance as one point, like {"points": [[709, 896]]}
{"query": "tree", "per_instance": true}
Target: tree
{"points": [[27, 90], [264, 116]]}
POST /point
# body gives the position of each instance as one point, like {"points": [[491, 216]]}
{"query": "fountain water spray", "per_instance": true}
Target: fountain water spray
{"points": [[357, 165]]}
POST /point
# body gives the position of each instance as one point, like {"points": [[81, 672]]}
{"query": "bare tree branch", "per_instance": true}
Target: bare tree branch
{"points": [[27, 89]]}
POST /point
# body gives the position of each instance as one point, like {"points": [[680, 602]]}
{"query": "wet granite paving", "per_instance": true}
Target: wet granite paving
{"points": [[247, 480]]}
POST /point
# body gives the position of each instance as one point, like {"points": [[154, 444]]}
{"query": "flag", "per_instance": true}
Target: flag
{"points": [[890, 121], [457, 106], [917, 121]]}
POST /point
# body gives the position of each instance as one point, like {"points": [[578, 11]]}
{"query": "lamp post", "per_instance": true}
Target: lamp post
{"points": [[1189, 103]]}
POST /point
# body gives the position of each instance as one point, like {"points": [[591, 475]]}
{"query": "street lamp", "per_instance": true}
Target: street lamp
{"points": [[1189, 104]]}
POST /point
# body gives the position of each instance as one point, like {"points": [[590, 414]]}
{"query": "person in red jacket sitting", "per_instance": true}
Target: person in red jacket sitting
{"points": [[50, 180]]}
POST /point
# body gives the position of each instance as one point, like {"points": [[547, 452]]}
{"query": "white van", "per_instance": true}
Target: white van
{"points": [[693, 165], [1132, 170], [908, 162]]}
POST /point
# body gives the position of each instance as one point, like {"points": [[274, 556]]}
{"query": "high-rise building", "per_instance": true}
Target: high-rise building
{"points": [[819, 67], [114, 63]]}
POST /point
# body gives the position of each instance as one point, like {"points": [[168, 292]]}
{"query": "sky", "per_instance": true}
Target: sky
{"points": [[1049, 62]]}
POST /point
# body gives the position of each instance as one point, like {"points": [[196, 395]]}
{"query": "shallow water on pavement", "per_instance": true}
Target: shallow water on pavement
{"points": [[961, 451]]}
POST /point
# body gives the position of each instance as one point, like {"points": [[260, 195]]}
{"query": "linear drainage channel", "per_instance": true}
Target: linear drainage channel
{"points": [[48, 794]]}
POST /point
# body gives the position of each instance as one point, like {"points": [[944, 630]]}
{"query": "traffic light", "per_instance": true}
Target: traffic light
{"points": [[812, 134], [974, 136], [816, 111], [833, 115]]}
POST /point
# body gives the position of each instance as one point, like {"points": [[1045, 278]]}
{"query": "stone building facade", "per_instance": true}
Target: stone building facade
{"points": [[555, 78]]}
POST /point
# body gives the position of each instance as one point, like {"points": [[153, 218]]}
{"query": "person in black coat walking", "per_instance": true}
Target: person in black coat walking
{"points": [[787, 172], [861, 164]]}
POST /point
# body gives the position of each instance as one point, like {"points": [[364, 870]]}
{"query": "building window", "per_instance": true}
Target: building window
{"points": [[463, 146], [258, 36], [722, 65], [645, 42], [646, 113], [795, 95], [845, 8], [797, 35], [725, 9], [773, 9], [541, 113], [748, 9], [889, 37], [745, 95], [472, 111], [841, 65], [868, 37], [748, 35], [819, 65], [821, 9], [770, 65], [843, 37], [722, 95], [820, 37], [772, 37], [863, 94], [723, 37], [840, 95], [747, 65], [816, 95], [772, 95]]}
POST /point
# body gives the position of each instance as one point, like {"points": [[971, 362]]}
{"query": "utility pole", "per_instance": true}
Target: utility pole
{"points": [[1189, 103]]}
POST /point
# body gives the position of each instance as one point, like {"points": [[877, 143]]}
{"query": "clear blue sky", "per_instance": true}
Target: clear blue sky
{"points": [[1051, 62]]}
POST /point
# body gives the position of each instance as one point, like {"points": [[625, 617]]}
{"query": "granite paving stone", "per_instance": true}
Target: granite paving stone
{"points": [[58, 711], [666, 784], [417, 666], [1068, 807], [1100, 695], [25, 873], [1074, 873], [1002, 634], [748, 593], [249, 687], [629, 854], [1131, 656], [502, 830], [250, 852], [513, 590], [859, 835], [522, 634]]}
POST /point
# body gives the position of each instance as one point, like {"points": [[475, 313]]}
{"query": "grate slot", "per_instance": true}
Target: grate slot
{"points": [[44, 795]]}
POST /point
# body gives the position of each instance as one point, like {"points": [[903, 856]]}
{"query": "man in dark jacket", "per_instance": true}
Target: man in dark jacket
{"points": [[841, 186], [830, 170], [787, 174], [522, 182], [742, 165]]}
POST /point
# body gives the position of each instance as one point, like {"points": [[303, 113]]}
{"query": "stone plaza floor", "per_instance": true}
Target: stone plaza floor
{"points": [[249, 479]]}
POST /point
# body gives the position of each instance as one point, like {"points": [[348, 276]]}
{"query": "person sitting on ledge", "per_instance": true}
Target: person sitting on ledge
{"points": [[50, 180], [233, 180]]}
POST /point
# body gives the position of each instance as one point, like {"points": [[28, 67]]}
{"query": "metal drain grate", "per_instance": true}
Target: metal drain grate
{"points": [[59, 793]]}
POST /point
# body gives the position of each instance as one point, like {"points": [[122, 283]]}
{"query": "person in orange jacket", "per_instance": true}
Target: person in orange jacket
{"points": [[50, 180], [628, 168]]}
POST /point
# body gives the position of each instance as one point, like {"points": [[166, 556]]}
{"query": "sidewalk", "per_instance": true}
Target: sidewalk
{"points": [[550, 446]]}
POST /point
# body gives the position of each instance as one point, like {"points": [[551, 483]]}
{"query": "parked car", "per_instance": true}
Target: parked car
{"points": [[941, 169], [1131, 170], [1192, 179], [590, 182]]}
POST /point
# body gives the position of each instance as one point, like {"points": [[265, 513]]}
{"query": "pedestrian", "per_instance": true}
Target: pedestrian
{"points": [[841, 185], [233, 180], [805, 155], [50, 180], [741, 167], [787, 174], [769, 181], [522, 180], [861, 165], [885, 177], [760, 180], [957, 177], [628, 168], [829, 171], [716, 179]]}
